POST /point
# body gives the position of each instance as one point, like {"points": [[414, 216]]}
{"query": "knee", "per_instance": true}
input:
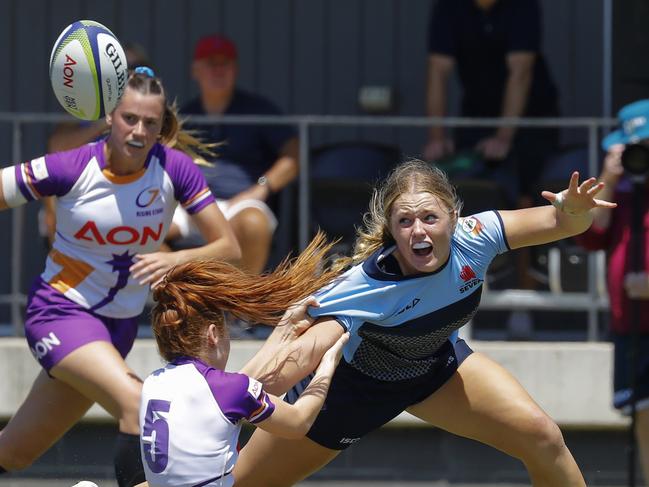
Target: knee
{"points": [[543, 439], [252, 224]]}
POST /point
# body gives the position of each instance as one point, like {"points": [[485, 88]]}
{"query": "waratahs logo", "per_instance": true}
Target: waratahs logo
{"points": [[467, 273]]}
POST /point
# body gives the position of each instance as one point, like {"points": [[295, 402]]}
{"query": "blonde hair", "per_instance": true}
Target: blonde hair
{"points": [[414, 176], [196, 294]]}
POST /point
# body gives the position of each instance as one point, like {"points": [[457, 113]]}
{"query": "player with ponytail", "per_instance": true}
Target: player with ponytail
{"points": [[193, 396], [114, 201]]}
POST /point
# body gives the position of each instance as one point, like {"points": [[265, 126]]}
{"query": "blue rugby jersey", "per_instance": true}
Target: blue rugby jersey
{"points": [[397, 322]]}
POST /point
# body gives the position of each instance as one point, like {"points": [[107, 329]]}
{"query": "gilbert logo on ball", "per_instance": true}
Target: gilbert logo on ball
{"points": [[88, 70]]}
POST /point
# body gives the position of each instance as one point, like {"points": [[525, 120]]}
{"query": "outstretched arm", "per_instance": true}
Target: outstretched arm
{"points": [[287, 358], [570, 214], [295, 420]]}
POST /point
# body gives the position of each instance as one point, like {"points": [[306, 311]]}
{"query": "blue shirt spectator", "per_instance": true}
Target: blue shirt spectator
{"points": [[252, 163], [247, 150]]}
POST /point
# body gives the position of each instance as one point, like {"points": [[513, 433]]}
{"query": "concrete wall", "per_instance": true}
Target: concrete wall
{"points": [[571, 381]]}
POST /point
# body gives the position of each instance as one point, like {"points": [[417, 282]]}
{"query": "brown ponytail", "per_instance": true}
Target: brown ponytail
{"points": [[196, 294], [173, 135]]}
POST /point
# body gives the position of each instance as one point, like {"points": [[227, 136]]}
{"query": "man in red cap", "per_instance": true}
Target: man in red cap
{"points": [[254, 161]]}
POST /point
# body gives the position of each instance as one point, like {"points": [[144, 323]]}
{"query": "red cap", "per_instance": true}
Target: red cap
{"points": [[215, 45]]}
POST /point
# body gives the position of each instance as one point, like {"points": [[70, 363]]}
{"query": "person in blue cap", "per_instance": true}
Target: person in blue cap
{"points": [[611, 230]]}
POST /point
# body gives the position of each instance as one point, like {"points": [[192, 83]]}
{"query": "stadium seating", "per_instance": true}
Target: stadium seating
{"points": [[342, 176]]}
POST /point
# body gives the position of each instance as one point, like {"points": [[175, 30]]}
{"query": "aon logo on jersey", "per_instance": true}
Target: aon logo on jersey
{"points": [[122, 235]]}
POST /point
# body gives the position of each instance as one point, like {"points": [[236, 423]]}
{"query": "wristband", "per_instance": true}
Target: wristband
{"points": [[558, 203]]}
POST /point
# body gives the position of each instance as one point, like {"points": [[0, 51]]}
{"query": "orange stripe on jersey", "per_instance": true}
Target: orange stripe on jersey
{"points": [[199, 195], [262, 408], [28, 181], [72, 271], [122, 179]]}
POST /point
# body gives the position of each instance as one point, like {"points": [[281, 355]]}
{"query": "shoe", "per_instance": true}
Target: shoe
{"points": [[85, 483]]}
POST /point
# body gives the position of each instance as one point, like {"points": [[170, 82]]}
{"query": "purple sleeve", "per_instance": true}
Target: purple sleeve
{"points": [[190, 187], [52, 174], [239, 396]]}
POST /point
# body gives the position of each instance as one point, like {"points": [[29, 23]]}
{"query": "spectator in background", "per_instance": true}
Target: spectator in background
{"points": [[75, 133], [253, 161], [611, 230], [495, 45]]}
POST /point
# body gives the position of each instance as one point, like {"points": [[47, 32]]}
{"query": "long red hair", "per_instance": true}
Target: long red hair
{"points": [[196, 294]]}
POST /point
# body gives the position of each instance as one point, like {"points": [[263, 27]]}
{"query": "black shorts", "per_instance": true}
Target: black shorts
{"points": [[622, 368], [358, 404]]}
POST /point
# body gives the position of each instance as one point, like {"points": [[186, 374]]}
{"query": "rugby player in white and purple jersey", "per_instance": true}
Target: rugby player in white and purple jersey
{"points": [[192, 410], [115, 200]]}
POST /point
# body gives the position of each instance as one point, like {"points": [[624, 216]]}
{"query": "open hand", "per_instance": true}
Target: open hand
{"points": [[295, 321], [151, 268], [578, 199]]}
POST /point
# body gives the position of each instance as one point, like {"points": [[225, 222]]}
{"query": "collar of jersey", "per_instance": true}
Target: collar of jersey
{"points": [[116, 178], [372, 267]]}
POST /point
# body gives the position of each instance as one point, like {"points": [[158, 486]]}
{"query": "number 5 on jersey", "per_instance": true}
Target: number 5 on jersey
{"points": [[155, 435]]}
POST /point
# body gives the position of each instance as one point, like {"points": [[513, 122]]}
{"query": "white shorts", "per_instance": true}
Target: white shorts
{"points": [[184, 222]]}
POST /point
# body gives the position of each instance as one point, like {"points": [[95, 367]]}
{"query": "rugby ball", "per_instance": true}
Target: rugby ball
{"points": [[88, 70]]}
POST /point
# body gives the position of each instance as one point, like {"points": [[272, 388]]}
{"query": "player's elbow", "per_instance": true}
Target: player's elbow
{"points": [[299, 428]]}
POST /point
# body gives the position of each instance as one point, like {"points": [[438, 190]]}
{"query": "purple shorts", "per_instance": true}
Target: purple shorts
{"points": [[56, 326]]}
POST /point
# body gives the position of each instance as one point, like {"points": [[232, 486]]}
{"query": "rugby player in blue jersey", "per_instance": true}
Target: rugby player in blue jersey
{"points": [[415, 277]]}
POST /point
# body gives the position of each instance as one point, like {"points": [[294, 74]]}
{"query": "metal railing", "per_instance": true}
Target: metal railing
{"points": [[593, 301]]}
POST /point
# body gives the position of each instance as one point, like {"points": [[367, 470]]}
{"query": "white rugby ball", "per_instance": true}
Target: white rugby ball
{"points": [[88, 70]]}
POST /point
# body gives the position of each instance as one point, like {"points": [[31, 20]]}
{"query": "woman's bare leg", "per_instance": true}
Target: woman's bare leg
{"points": [[269, 461], [484, 402], [93, 373]]}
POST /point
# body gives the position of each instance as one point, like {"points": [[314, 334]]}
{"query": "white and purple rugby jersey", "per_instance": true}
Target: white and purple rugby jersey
{"points": [[190, 419], [397, 322], [103, 220]]}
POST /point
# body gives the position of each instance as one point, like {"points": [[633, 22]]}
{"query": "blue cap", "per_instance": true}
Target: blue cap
{"points": [[634, 125]]}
